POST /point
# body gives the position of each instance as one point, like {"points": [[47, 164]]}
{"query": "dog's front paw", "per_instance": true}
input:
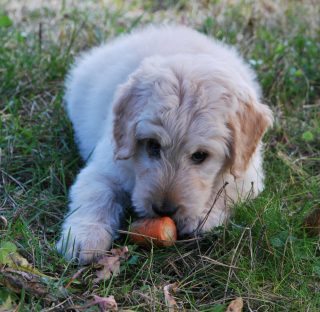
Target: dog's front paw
{"points": [[84, 242]]}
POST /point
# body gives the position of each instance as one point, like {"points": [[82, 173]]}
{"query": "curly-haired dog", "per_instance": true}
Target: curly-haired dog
{"points": [[166, 115]]}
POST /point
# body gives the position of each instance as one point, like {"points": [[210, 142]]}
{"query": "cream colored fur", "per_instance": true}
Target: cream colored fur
{"points": [[189, 93]]}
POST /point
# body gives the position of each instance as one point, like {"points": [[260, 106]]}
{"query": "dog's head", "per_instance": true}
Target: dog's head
{"points": [[184, 121]]}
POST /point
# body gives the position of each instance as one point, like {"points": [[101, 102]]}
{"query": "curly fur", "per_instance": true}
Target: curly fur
{"points": [[184, 90]]}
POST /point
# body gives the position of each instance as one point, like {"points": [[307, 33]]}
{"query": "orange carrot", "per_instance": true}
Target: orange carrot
{"points": [[161, 231]]}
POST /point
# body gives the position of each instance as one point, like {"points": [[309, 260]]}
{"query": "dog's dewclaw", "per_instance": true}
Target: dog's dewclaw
{"points": [[160, 231]]}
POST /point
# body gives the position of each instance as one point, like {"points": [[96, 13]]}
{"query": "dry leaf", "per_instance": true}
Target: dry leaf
{"points": [[16, 273], [105, 303], [111, 264], [33, 284], [121, 252], [9, 257], [170, 301], [236, 305]]}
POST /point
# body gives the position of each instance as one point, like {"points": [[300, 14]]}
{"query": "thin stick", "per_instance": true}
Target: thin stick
{"points": [[219, 263], [201, 224]]}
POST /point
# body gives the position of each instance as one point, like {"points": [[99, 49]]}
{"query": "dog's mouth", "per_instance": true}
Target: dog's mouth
{"points": [[186, 227]]}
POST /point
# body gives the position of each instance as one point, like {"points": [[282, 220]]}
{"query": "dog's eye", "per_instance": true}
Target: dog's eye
{"points": [[199, 157], [153, 148]]}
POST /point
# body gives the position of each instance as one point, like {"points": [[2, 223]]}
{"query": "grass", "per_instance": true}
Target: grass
{"points": [[263, 255]]}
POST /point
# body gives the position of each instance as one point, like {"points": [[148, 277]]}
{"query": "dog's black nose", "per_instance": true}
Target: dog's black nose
{"points": [[166, 209]]}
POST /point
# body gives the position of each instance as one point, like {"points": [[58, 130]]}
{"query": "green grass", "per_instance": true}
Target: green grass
{"points": [[277, 264]]}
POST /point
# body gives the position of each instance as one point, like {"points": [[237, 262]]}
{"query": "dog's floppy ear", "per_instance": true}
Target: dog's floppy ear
{"points": [[247, 127], [126, 108]]}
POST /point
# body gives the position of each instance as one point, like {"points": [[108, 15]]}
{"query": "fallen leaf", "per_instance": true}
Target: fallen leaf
{"points": [[10, 257], [235, 305], [33, 284], [16, 273], [5, 249], [121, 252], [111, 264], [105, 303], [169, 300]]}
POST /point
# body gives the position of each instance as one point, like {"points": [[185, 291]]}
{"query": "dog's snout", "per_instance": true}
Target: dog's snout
{"points": [[165, 209]]}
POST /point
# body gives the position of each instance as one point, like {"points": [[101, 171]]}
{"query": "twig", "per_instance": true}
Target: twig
{"points": [[75, 276], [56, 306], [220, 263], [201, 224]]}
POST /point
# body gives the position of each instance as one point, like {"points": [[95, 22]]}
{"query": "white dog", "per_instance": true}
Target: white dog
{"points": [[165, 115]]}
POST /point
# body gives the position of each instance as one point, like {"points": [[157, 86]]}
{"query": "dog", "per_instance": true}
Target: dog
{"points": [[172, 118]]}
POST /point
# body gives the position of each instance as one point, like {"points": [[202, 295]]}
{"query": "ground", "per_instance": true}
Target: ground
{"points": [[264, 255]]}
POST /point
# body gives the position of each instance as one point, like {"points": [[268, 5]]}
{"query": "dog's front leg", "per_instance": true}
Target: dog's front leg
{"points": [[94, 215]]}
